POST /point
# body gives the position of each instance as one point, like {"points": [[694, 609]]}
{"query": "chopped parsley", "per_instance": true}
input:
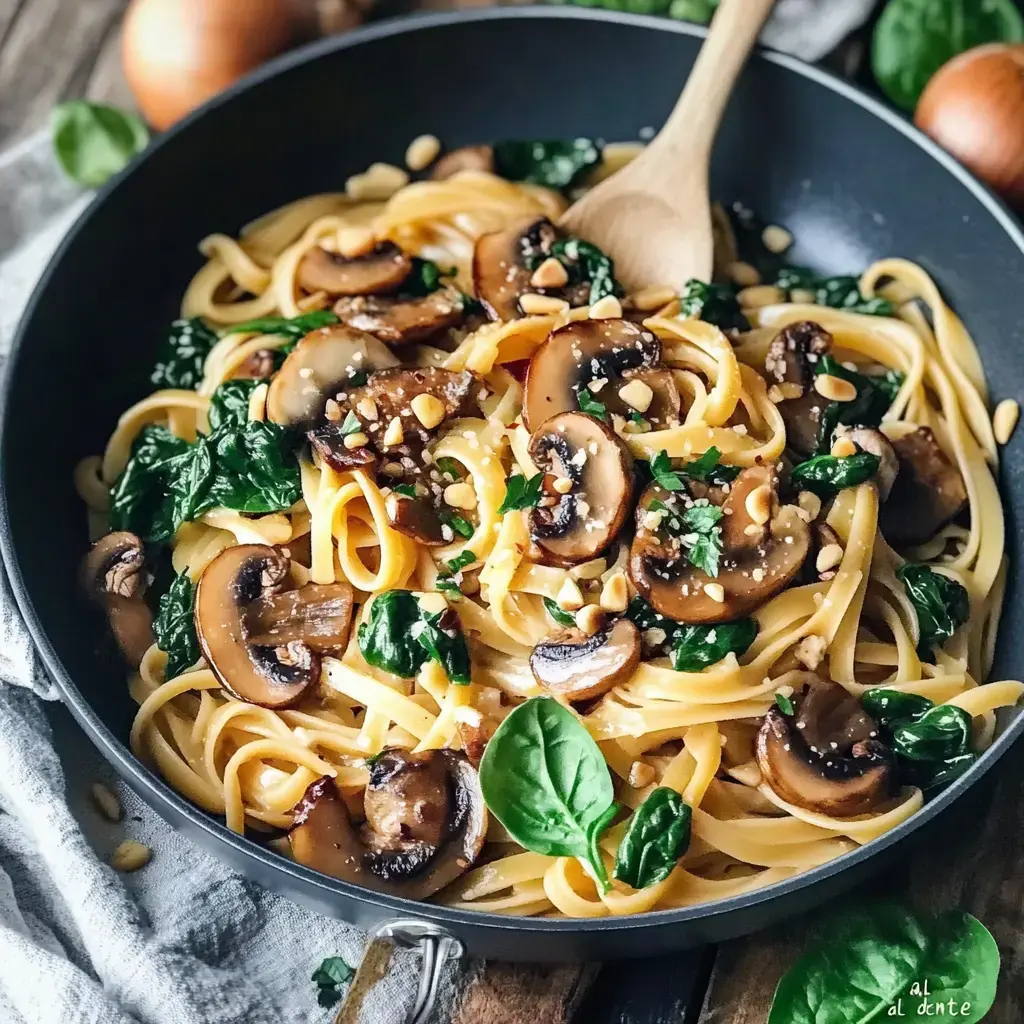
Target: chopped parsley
{"points": [[590, 405], [351, 424], [446, 581], [664, 476], [521, 493], [706, 547], [785, 704], [409, 490], [331, 977], [708, 469], [560, 615], [449, 467], [463, 527]]}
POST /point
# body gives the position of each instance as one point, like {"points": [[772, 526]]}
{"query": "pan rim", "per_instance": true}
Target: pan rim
{"points": [[169, 804]]}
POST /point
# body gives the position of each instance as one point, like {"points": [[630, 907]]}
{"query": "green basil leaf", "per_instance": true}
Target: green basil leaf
{"points": [[182, 356], [93, 141], [942, 604], [914, 38], [714, 304], [545, 779], [590, 405], [827, 475], [708, 470], [557, 164], [294, 328], [941, 733], [696, 647], [657, 836], [330, 979], [386, 641], [521, 493], [876, 958], [174, 626], [562, 617], [664, 475]]}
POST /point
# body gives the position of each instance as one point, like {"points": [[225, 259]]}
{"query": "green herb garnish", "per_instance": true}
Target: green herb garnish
{"points": [[521, 493]]}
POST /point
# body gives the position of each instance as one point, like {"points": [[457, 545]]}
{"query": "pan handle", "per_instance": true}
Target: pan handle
{"points": [[436, 946]]}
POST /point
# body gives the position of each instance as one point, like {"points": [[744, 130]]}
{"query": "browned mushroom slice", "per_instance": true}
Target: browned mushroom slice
{"points": [[790, 365], [761, 554], [825, 758], [582, 353], [380, 271], [579, 667], [318, 369], [319, 615], [257, 367], [399, 321], [580, 524], [114, 576], [425, 825], [272, 675], [504, 263], [466, 158], [928, 493], [870, 440], [665, 403], [416, 518]]}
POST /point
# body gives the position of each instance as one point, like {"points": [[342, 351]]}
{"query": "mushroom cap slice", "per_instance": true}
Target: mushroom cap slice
{"points": [[581, 352], [757, 562], [504, 263], [790, 360], [870, 440], [928, 492], [578, 526], [465, 158], [825, 757], [381, 270], [273, 676], [403, 321], [579, 667], [425, 824], [318, 368], [318, 614]]}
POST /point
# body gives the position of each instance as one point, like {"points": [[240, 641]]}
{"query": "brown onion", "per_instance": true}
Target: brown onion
{"points": [[974, 107], [179, 53]]}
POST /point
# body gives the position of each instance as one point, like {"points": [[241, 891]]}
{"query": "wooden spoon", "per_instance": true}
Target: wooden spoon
{"points": [[653, 217]]}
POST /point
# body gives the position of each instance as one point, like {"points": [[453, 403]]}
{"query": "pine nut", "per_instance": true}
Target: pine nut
{"points": [[608, 308], [760, 295], [589, 570], [562, 484], [776, 239], [106, 802], [828, 557], [332, 411], [648, 299], [356, 440], [803, 295], [757, 574], [422, 152], [743, 274], [637, 395], [641, 775], [810, 504], [393, 469], [428, 410], [615, 593], [759, 504], [652, 521], [541, 305], [460, 495], [843, 448], [1005, 419], [355, 241], [258, 403], [367, 408], [589, 619], [835, 389], [130, 856], [394, 433], [784, 392], [550, 274], [715, 591], [379, 181], [570, 597]]}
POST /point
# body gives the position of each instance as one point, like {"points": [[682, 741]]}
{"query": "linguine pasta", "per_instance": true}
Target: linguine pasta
{"points": [[696, 731]]}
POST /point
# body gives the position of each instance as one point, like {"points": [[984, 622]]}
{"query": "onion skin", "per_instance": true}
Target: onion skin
{"points": [[179, 53], [974, 107]]}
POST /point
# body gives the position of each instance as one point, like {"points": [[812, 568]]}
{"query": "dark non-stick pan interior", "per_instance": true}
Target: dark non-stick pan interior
{"points": [[851, 184]]}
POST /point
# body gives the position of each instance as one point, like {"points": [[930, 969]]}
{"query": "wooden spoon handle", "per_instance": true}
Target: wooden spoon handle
{"points": [[693, 124]]}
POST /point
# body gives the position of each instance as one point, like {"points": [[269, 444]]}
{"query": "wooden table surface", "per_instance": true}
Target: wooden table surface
{"points": [[51, 50]]}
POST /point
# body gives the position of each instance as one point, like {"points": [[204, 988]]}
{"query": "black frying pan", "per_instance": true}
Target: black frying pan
{"points": [[851, 179]]}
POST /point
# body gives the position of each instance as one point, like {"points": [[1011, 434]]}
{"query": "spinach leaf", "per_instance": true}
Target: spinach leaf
{"points": [[839, 292], [174, 626], [870, 958], [545, 779], [584, 261], [885, 706], [664, 475], [447, 582], [942, 604], [696, 647], [229, 404], [590, 405], [521, 492], [425, 277], [557, 164], [708, 470], [294, 328], [941, 733], [705, 547], [914, 38], [330, 979], [874, 397], [182, 356], [827, 475], [401, 637], [255, 470], [645, 617], [714, 304], [657, 836], [93, 141], [562, 617]]}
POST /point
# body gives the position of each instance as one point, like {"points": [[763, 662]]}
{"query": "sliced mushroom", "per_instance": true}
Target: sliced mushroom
{"points": [[579, 667], [236, 584], [665, 402], [380, 271], [466, 158], [579, 525], [790, 361], [581, 353], [425, 825], [825, 757], [258, 366], [319, 615], [928, 493], [403, 321], [504, 263], [318, 369], [876, 443], [114, 576], [760, 556]]}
